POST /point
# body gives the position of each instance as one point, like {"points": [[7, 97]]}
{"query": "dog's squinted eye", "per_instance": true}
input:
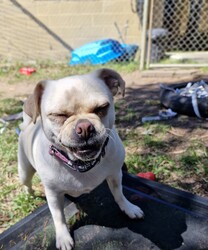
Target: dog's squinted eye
{"points": [[59, 118], [101, 110]]}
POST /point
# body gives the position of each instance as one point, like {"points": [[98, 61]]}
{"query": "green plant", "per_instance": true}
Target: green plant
{"points": [[159, 164], [25, 204], [14, 203], [153, 142], [10, 106]]}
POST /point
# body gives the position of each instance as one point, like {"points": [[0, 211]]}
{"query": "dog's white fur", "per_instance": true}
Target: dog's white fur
{"points": [[50, 117]]}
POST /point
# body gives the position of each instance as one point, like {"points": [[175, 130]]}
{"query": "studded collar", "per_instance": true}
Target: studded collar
{"points": [[78, 165]]}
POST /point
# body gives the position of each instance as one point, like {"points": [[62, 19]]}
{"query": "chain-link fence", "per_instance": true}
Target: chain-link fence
{"points": [[84, 31], [161, 32], [176, 32]]}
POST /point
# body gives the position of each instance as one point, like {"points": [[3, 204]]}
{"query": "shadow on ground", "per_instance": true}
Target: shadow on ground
{"points": [[164, 226]]}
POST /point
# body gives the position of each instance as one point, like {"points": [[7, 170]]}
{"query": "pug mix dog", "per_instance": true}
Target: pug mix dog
{"points": [[68, 137]]}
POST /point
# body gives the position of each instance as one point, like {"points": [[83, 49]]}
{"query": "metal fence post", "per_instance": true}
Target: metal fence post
{"points": [[144, 34]]}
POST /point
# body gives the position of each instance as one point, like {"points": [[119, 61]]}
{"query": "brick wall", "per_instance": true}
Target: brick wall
{"points": [[50, 29]]}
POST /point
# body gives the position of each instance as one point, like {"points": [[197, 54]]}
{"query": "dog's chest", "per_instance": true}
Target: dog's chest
{"points": [[75, 184]]}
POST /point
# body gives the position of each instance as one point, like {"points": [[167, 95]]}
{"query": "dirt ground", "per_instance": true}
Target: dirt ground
{"points": [[147, 79]]}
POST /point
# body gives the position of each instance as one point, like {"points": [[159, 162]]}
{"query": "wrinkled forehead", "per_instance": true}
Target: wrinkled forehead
{"points": [[75, 93]]}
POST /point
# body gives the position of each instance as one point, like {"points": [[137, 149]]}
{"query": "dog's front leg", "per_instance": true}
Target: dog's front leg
{"points": [[115, 185], [64, 240]]}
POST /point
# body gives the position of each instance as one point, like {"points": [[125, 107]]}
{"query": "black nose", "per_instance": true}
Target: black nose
{"points": [[84, 129]]}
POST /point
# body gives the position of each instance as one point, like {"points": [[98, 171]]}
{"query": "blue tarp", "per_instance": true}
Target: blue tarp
{"points": [[103, 51]]}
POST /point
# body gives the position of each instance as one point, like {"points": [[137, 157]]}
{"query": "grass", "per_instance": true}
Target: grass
{"points": [[51, 70], [204, 70], [14, 203], [10, 106], [149, 147]]}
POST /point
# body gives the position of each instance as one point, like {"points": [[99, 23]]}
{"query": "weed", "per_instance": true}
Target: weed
{"points": [[158, 128], [152, 102], [143, 163], [125, 113], [204, 69], [24, 203], [206, 169], [153, 142], [10, 106], [190, 160], [130, 137]]}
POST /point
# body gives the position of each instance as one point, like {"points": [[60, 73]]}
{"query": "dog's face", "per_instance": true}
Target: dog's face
{"points": [[77, 112]]}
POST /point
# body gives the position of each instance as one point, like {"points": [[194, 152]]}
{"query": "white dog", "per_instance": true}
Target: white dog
{"points": [[68, 137]]}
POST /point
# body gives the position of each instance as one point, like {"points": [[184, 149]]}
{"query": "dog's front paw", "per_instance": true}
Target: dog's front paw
{"points": [[132, 210], [64, 240]]}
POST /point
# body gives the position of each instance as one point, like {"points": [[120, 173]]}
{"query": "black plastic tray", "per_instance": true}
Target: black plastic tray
{"points": [[174, 219]]}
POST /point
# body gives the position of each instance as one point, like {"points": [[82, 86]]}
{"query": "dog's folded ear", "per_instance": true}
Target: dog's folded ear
{"points": [[112, 79], [32, 104]]}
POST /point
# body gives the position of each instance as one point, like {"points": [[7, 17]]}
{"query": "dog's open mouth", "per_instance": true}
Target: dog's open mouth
{"points": [[86, 152], [86, 157]]}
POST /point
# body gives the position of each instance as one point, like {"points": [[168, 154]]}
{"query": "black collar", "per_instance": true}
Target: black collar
{"points": [[78, 165]]}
